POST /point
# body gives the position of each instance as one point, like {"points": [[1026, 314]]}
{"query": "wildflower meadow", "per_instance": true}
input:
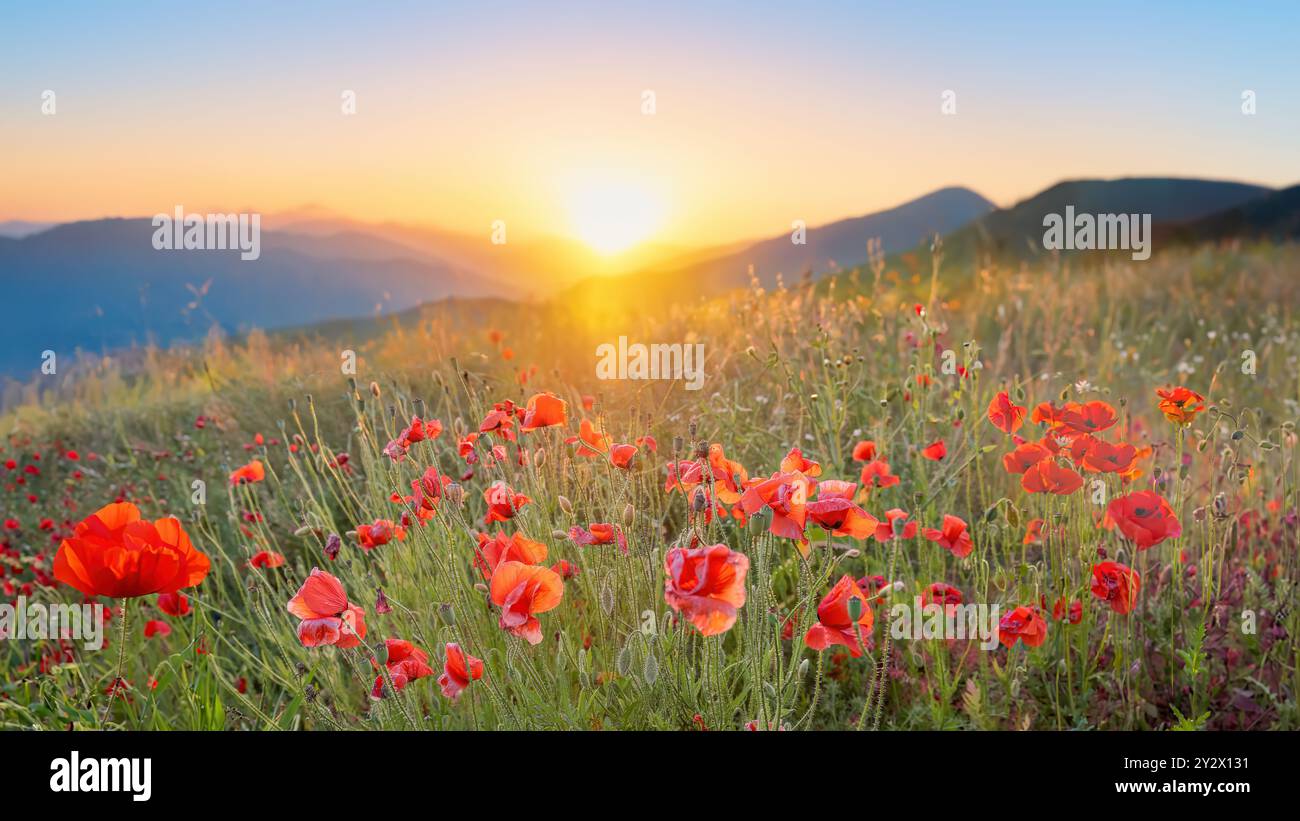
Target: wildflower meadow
{"points": [[917, 494]]}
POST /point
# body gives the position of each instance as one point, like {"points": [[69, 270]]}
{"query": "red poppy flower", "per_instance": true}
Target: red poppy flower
{"points": [[876, 474], [153, 627], [834, 625], [885, 529], [417, 431], [429, 489], [458, 671], [115, 553], [794, 462], [954, 537], [839, 516], [543, 411], [836, 489], [1180, 405], [1089, 417], [592, 442], [940, 593], [599, 533], [251, 472], [1115, 584], [935, 451], [1025, 457], [1004, 414], [707, 585], [503, 502], [620, 456], [266, 559], [493, 550], [522, 591], [1144, 517], [174, 604], [786, 494], [864, 451], [379, 532], [405, 663], [729, 476], [327, 617], [1049, 477], [1023, 623], [500, 420], [1103, 457], [566, 569]]}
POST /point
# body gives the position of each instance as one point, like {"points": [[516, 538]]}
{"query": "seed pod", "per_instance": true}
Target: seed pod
{"points": [[629, 515], [455, 494], [855, 608], [565, 504]]}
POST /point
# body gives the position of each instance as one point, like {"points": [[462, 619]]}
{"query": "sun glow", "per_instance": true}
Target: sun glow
{"points": [[612, 215]]}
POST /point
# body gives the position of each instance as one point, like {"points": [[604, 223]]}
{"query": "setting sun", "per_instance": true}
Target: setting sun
{"points": [[611, 215]]}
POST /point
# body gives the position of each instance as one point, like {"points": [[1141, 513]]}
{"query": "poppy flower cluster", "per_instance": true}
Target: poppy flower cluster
{"points": [[1073, 434], [418, 431], [404, 662]]}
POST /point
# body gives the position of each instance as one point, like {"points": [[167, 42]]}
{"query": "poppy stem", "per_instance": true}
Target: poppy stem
{"points": [[117, 674]]}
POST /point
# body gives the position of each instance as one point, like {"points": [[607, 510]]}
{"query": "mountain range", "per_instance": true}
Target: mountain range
{"points": [[99, 284]]}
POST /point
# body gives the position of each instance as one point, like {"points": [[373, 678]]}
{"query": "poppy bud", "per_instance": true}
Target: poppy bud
{"points": [[333, 544], [559, 534], [629, 515], [803, 668], [374, 389], [381, 603], [303, 531], [539, 457], [565, 505]]}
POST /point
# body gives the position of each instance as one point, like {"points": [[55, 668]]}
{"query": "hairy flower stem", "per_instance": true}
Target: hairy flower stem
{"points": [[117, 673]]}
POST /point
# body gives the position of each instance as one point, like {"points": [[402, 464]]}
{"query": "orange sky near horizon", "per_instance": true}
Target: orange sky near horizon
{"points": [[759, 120]]}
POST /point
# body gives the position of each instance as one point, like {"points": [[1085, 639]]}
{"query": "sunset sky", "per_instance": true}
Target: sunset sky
{"points": [[765, 113]]}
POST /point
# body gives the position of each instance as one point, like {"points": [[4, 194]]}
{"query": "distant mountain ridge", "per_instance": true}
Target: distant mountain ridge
{"points": [[834, 246], [100, 284], [1018, 231]]}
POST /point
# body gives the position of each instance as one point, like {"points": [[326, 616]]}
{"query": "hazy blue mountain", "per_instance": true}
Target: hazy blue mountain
{"points": [[100, 284]]}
